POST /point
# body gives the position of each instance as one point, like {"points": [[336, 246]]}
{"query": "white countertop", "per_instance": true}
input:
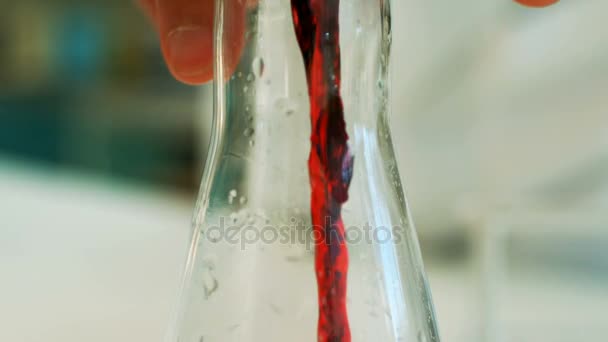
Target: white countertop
{"points": [[84, 259]]}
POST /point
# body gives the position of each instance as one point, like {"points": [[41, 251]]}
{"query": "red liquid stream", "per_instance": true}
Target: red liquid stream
{"points": [[330, 163]]}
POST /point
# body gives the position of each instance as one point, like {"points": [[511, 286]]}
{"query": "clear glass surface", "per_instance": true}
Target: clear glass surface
{"points": [[250, 272]]}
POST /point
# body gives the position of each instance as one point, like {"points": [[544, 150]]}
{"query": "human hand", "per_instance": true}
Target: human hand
{"points": [[185, 28]]}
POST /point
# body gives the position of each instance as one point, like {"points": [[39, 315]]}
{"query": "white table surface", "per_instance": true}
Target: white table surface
{"points": [[83, 259], [86, 260]]}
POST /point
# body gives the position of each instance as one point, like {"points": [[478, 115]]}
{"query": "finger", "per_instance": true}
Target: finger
{"points": [[233, 36], [537, 3], [186, 34]]}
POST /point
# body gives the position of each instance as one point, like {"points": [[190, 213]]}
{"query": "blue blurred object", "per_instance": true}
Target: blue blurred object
{"points": [[32, 129], [80, 49]]}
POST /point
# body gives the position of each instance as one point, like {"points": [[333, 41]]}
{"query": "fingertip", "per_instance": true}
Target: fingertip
{"points": [[195, 80], [186, 33], [536, 3], [189, 54]]}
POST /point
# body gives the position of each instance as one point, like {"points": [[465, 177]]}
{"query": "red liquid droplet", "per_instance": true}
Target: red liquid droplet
{"points": [[330, 163], [537, 3]]}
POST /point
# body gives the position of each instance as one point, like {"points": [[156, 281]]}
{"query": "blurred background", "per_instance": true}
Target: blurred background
{"points": [[500, 128]]}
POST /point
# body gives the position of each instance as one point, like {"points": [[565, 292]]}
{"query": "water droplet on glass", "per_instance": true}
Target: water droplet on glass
{"points": [[210, 261], [210, 284], [247, 108], [245, 88], [243, 200], [258, 67], [234, 218], [284, 105], [250, 77], [277, 310], [239, 74], [248, 132], [231, 195], [292, 258], [251, 143], [214, 235], [421, 336]]}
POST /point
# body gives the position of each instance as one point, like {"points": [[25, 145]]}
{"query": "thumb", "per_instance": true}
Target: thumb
{"points": [[186, 36]]}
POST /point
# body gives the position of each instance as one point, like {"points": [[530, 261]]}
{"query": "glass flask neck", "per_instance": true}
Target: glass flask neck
{"points": [[277, 70], [262, 108], [258, 180]]}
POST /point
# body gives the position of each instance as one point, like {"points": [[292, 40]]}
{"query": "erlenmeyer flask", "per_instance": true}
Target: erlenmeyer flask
{"points": [[253, 272]]}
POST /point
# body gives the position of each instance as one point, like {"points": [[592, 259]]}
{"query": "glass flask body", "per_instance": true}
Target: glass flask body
{"points": [[250, 274]]}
